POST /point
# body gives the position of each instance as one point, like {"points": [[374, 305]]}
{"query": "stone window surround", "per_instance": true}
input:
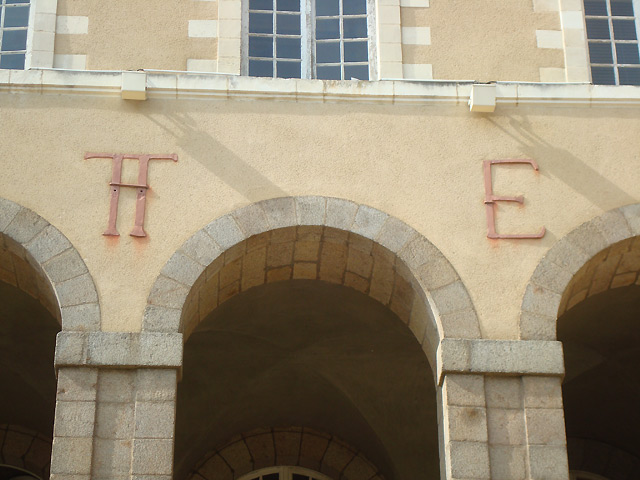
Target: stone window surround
{"points": [[386, 47], [42, 32]]}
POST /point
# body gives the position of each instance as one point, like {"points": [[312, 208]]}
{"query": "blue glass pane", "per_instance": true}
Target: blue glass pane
{"points": [[595, 7], [327, 7], [603, 76], [624, 29], [328, 73], [260, 68], [597, 28], [355, 28], [14, 40], [627, 53], [260, 5], [600, 53], [361, 72], [629, 76], [327, 28], [288, 24], [260, 23], [288, 48], [288, 69], [354, 7], [356, 52], [622, 8], [260, 47], [15, 61], [288, 5], [328, 52], [9, 2], [16, 17]]}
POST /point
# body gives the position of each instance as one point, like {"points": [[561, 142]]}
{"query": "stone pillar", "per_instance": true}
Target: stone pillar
{"points": [[502, 415], [115, 410]]}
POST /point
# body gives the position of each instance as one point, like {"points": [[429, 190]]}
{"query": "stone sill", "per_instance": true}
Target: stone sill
{"points": [[184, 85]]}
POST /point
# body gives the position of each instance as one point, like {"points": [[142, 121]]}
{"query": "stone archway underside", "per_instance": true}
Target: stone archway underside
{"points": [[37, 258], [293, 446], [598, 255], [433, 279]]}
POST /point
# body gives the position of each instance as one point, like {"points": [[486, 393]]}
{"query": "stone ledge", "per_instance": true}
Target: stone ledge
{"points": [[165, 84], [500, 357], [119, 350]]}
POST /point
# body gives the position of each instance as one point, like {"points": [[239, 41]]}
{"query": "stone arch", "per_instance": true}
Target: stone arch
{"points": [[441, 305], [291, 446], [24, 448], [39, 259], [575, 259]]}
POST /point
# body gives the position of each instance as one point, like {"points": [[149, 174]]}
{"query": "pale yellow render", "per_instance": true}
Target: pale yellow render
{"points": [[316, 288]]}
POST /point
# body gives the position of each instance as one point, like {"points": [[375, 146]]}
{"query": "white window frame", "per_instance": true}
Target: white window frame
{"points": [[41, 34], [307, 20], [636, 13], [286, 473]]}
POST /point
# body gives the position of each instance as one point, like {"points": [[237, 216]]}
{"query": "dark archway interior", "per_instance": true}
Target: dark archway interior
{"points": [[314, 354], [27, 346], [601, 339]]}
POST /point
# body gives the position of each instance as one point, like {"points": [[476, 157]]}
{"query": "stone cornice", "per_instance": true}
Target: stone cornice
{"points": [[183, 85]]}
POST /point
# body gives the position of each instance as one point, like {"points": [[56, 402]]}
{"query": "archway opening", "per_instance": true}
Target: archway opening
{"points": [[29, 322], [600, 332], [300, 336]]}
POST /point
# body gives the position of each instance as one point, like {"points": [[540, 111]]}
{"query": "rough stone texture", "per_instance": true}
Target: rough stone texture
{"points": [[25, 226], [251, 219], [152, 457], [508, 462], [340, 213], [150, 349], [537, 327], [505, 357], [368, 221], [506, 426], [464, 390], [225, 231], [503, 392], [310, 210], [168, 293], [468, 460], [548, 462], [280, 212], [545, 426], [71, 455], [542, 392], [394, 234], [161, 319], [74, 419], [154, 419], [202, 248], [182, 269], [155, 385], [77, 384], [8, 211], [65, 266], [47, 244], [77, 291], [82, 318], [467, 424]]}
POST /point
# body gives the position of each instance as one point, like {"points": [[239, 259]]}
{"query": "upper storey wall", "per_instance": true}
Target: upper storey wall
{"points": [[483, 40]]}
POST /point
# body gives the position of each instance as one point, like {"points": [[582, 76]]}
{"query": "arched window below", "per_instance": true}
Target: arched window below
{"points": [[284, 473]]}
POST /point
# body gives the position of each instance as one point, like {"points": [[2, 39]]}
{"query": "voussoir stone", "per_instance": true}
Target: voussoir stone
{"points": [[65, 266], [280, 212], [47, 244], [394, 234], [251, 219], [310, 210], [225, 231], [368, 221], [632, 215], [340, 213], [202, 248], [182, 269], [76, 291], [25, 225], [161, 319], [8, 210]]}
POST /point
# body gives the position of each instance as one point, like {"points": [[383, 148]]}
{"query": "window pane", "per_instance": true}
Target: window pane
{"points": [[595, 7], [260, 23], [356, 52], [624, 29], [328, 73], [597, 28], [16, 1], [355, 28], [327, 7], [288, 70], [327, 28], [600, 53], [260, 5], [15, 61], [623, 8], [627, 52], [14, 40], [271, 476], [354, 7], [260, 68], [361, 72], [16, 17], [288, 5], [288, 47], [288, 24], [260, 47], [603, 76], [629, 76], [328, 52], [297, 476]]}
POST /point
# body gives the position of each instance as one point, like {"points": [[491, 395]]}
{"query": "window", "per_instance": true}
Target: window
{"points": [[14, 22], [325, 39], [613, 41]]}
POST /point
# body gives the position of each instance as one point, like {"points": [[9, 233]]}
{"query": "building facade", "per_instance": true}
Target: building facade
{"points": [[330, 239]]}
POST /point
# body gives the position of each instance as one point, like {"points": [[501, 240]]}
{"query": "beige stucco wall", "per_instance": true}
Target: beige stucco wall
{"points": [[152, 35], [482, 40], [421, 164]]}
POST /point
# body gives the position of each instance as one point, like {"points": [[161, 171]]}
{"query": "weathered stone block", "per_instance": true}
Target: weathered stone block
{"points": [[506, 426], [467, 424], [74, 419], [81, 318], [71, 455], [368, 221], [545, 426], [202, 248], [464, 390], [394, 234], [152, 457], [156, 384], [340, 213], [154, 419], [548, 462], [225, 231], [24, 226], [182, 269], [77, 291], [469, 460], [77, 384], [542, 392], [508, 462], [251, 219], [115, 420], [280, 212], [310, 210], [503, 392], [8, 210], [160, 319], [168, 293]]}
